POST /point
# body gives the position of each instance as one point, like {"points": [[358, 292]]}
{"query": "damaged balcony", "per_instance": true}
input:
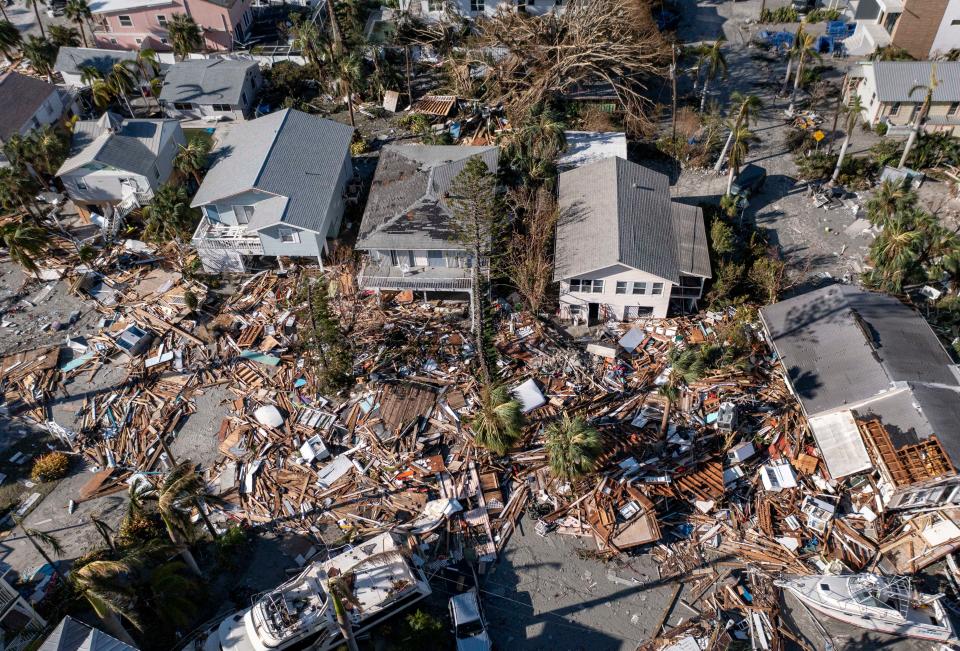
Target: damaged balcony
{"points": [[380, 274], [221, 237]]}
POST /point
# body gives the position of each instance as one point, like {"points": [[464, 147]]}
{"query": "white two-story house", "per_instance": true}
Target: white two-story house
{"points": [[624, 248], [276, 189], [116, 161], [407, 229], [435, 9]]}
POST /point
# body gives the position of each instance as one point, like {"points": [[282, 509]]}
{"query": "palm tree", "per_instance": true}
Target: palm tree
{"points": [[894, 252], [17, 189], [499, 423], [348, 72], [169, 215], [921, 114], [49, 148], [572, 447], [36, 12], [64, 36], [121, 80], [100, 90], [748, 107], [182, 490], [738, 153], [891, 197], [147, 67], [686, 367], [185, 36], [10, 39], [791, 55], [42, 54], [110, 589], [79, 12], [806, 46], [716, 66], [534, 145], [853, 117], [39, 540], [24, 243], [192, 159], [307, 38]]}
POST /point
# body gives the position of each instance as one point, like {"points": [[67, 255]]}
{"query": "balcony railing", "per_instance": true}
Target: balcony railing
{"points": [[226, 238], [381, 275]]}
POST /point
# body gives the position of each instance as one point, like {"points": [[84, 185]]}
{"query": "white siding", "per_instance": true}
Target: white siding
{"points": [[612, 302], [948, 36]]}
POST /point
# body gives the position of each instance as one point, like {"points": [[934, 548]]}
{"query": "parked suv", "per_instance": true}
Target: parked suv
{"points": [[468, 622], [749, 181]]}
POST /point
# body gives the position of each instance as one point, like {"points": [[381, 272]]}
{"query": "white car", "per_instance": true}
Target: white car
{"points": [[468, 623]]}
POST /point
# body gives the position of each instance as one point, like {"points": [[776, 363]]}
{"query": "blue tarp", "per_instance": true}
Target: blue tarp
{"points": [[776, 39]]}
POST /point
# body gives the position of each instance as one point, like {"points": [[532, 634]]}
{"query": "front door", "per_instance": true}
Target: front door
{"points": [[593, 313]]}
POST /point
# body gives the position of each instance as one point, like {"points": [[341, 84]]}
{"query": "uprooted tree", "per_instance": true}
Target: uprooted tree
{"points": [[529, 261], [326, 344], [610, 42]]}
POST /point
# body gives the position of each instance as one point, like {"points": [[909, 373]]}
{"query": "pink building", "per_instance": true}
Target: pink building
{"points": [[135, 24]]}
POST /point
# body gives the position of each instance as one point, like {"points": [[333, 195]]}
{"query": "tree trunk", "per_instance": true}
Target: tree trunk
{"points": [[703, 97], [83, 32], [730, 179], [334, 29], [191, 561], [723, 153], [125, 101], [914, 132], [111, 622], [666, 418], [349, 86], [3, 11], [786, 79], [836, 120], [406, 60], [843, 153], [343, 623], [796, 84], [204, 516], [36, 12], [763, 8]]}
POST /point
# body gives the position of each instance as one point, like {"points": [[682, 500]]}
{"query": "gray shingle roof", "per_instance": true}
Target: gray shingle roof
{"points": [[617, 212], [133, 147], [405, 209], [72, 60], [287, 153], [73, 635], [843, 347], [895, 79], [205, 81], [20, 97]]}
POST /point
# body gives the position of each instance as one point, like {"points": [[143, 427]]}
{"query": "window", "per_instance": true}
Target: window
{"points": [[138, 40], [955, 22], [574, 285], [125, 21], [163, 40], [597, 286], [476, 5], [220, 107], [895, 109], [243, 213], [289, 236], [162, 20], [212, 213], [954, 108], [394, 260], [657, 288], [182, 106], [621, 287], [639, 288], [81, 185]]}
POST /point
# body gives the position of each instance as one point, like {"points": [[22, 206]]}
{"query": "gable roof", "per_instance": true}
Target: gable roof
{"points": [[895, 79], [287, 153], [20, 97], [614, 212], [405, 208], [846, 348], [206, 81], [72, 60], [129, 145], [73, 635]]}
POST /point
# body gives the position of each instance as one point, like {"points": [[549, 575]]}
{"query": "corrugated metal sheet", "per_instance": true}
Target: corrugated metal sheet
{"points": [[896, 79]]}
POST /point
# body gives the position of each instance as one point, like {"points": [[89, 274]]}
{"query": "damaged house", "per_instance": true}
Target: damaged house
{"points": [[624, 248], [878, 388], [276, 189], [407, 229]]}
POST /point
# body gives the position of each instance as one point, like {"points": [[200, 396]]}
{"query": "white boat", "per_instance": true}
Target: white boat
{"points": [[887, 604], [376, 581]]}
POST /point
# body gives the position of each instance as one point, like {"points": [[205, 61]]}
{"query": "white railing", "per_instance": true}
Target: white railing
{"points": [[376, 275], [226, 238]]}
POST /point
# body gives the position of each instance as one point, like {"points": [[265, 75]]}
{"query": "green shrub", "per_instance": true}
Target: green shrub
{"points": [[780, 15], [138, 528], [885, 152], [823, 15], [50, 467], [881, 129], [231, 545], [799, 140], [816, 166]]}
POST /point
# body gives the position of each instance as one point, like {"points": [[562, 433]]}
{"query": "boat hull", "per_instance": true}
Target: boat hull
{"points": [[910, 629]]}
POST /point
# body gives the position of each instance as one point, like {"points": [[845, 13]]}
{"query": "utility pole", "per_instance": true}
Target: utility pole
{"points": [[836, 115], [673, 81]]}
